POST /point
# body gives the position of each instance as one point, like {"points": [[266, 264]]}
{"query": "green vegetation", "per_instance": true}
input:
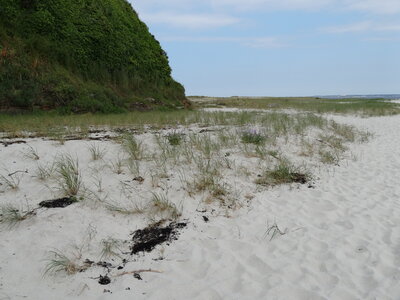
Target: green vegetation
{"points": [[54, 125], [252, 137], [80, 56], [284, 172], [69, 177], [11, 216], [10, 181], [59, 262], [97, 152], [356, 106], [174, 138]]}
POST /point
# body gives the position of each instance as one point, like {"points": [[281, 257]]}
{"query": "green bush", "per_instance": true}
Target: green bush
{"points": [[52, 50]]}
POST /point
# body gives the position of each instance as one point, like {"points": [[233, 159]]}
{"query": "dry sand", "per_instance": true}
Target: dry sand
{"points": [[341, 241]]}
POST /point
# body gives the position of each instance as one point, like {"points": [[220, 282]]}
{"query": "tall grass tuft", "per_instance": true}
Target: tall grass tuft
{"points": [[11, 216], [31, 153], [59, 262], [69, 176], [11, 181], [133, 147], [44, 171], [97, 152], [163, 208]]}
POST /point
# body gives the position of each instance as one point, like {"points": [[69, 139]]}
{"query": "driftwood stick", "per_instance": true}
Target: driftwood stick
{"points": [[325, 143], [6, 144], [136, 272], [13, 173]]}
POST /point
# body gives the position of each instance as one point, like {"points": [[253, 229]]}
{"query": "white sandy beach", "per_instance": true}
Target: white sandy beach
{"points": [[342, 236]]}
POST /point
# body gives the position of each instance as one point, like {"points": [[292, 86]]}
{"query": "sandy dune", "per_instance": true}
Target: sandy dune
{"points": [[341, 241]]}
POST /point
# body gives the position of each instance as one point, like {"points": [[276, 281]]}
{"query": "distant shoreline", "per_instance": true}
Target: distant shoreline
{"points": [[366, 96]]}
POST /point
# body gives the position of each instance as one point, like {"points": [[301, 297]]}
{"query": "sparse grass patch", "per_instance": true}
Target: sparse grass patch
{"points": [[44, 171], [205, 144], [332, 141], [117, 165], [31, 153], [283, 173], [11, 216], [12, 180], [329, 157], [207, 176], [174, 138], [167, 152], [162, 208], [350, 106], [347, 132], [134, 148], [110, 248], [307, 149], [227, 138], [59, 262], [132, 208], [97, 152], [252, 136], [69, 177], [134, 167], [274, 153]]}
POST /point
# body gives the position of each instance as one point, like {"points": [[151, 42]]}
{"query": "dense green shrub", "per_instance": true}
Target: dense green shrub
{"points": [[80, 55]]}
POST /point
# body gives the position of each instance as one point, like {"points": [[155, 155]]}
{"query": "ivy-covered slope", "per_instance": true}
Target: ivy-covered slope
{"points": [[81, 55]]}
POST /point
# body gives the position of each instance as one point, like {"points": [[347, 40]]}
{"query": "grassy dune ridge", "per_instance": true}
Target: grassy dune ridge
{"points": [[356, 106]]}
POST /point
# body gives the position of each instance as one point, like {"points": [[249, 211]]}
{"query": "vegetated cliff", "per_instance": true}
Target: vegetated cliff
{"points": [[81, 55]]}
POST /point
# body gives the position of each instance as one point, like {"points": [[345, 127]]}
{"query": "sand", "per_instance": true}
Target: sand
{"points": [[341, 238]]}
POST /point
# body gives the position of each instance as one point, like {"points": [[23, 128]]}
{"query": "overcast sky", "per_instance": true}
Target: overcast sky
{"points": [[279, 47]]}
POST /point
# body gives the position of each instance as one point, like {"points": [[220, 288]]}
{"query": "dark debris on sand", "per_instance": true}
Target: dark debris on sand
{"points": [[145, 240], [299, 178], [104, 280], [61, 202]]}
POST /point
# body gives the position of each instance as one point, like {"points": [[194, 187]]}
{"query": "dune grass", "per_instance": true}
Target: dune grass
{"points": [[69, 177], [110, 248], [284, 172], [59, 127], [356, 106], [11, 216], [60, 262]]}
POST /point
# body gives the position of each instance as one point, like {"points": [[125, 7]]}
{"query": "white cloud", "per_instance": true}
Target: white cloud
{"points": [[375, 6], [254, 42], [272, 4], [355, 27], [264, 42], [382, 39], [362, 27], [371, 6], [196, 21]]}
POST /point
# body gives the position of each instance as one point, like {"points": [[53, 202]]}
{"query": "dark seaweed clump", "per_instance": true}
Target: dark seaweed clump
{"points": [[61, 202], [145, 240]]}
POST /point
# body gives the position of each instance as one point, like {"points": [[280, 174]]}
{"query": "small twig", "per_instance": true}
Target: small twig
{"points": [[274, 229], [325, 143], [83, 289], [11, 174], [6, 144], [136, 272]]}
